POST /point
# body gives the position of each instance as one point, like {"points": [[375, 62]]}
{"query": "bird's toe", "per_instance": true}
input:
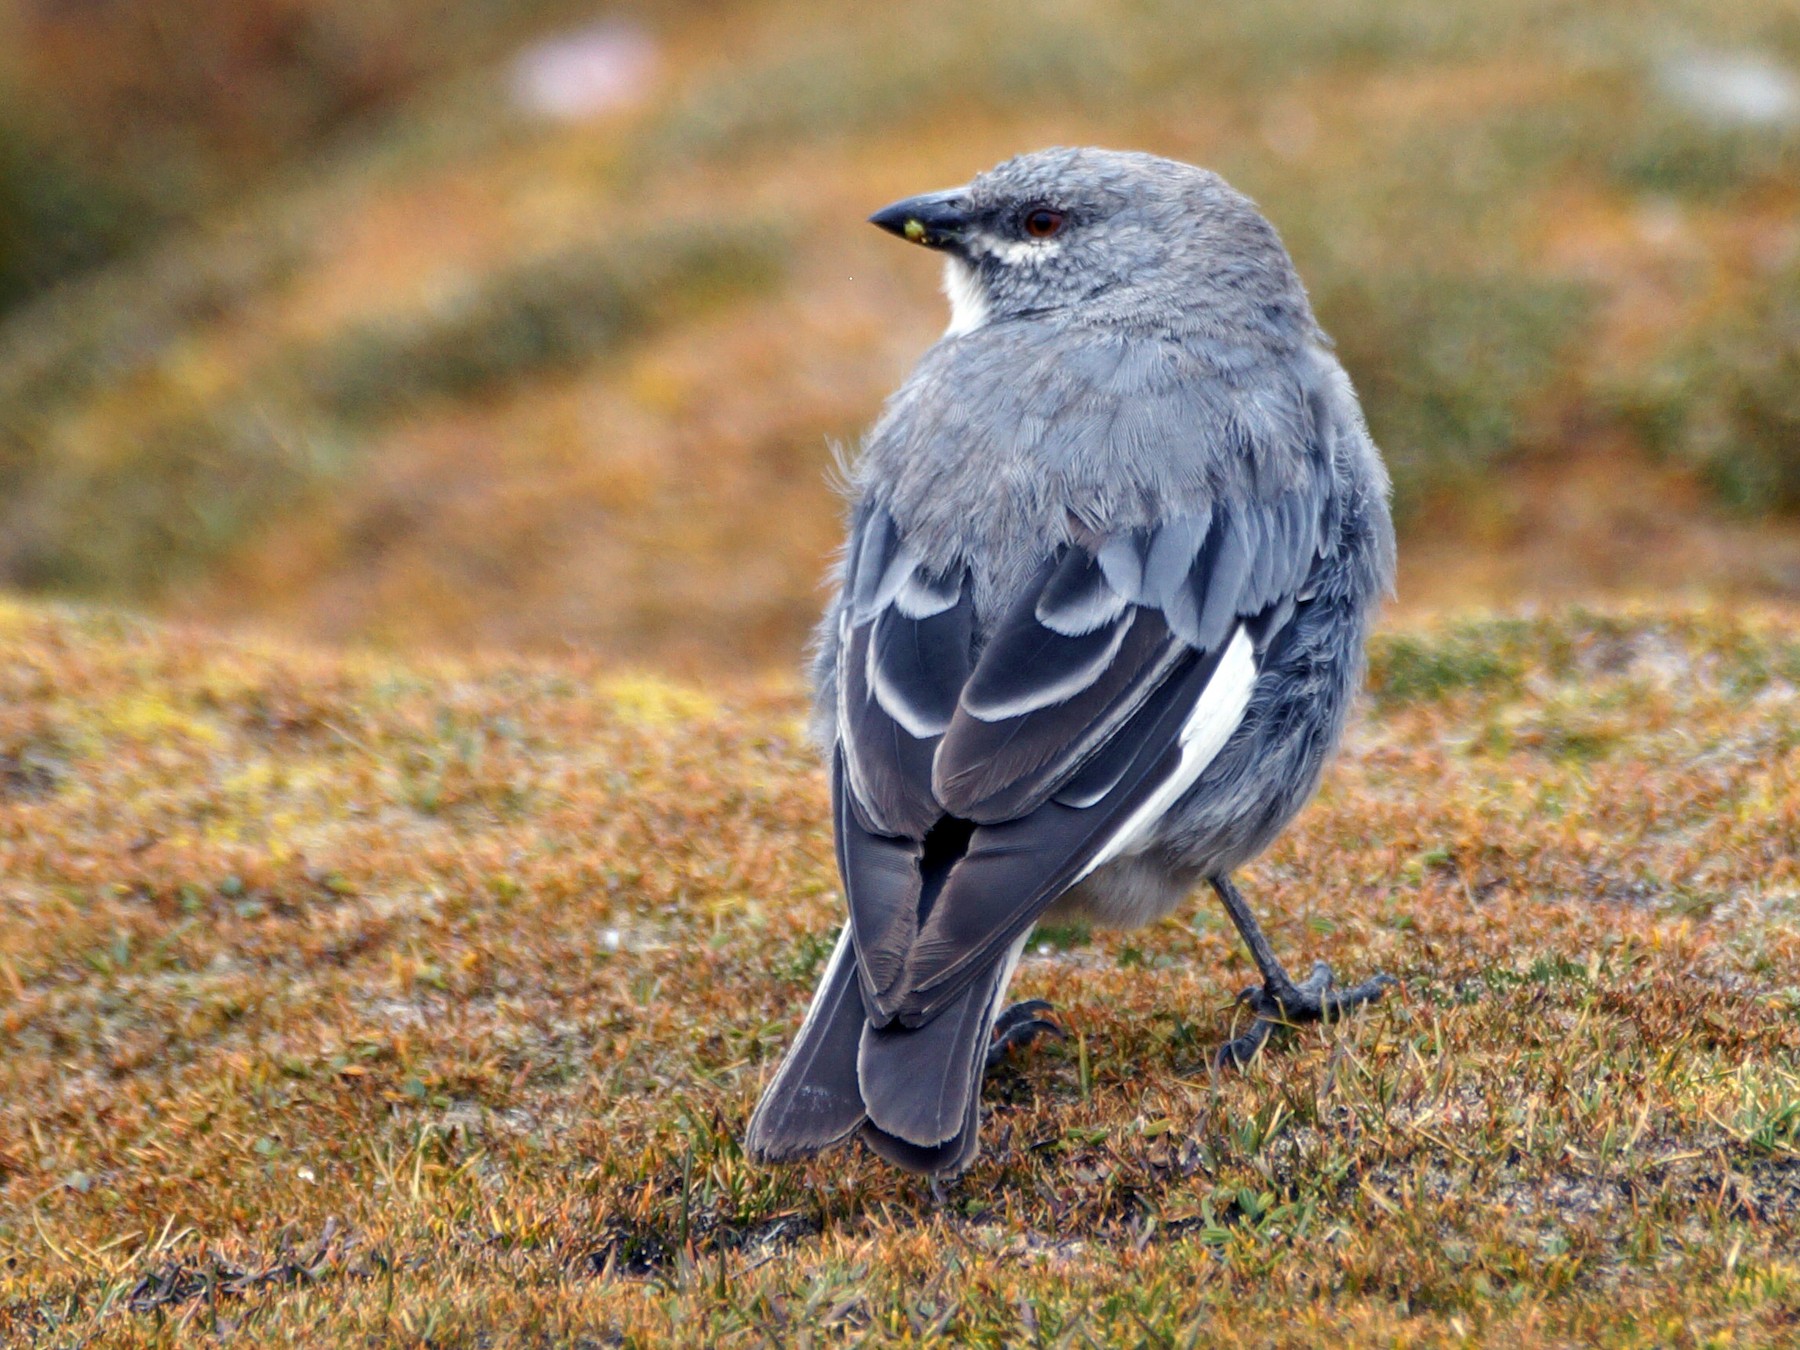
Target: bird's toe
{"points": [[1019, 1026]]}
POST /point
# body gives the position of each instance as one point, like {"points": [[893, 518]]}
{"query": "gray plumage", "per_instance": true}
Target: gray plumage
{"points": [[1113, 556]]}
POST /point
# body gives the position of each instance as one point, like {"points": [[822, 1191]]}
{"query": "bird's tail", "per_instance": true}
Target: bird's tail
{"points": [[814, 1099], [914, 1093]]}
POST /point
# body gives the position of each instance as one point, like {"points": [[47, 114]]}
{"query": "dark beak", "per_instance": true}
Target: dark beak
{"points": [[936, 220]]}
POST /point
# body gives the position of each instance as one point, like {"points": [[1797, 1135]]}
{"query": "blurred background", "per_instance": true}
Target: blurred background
{"points": [[524, 323]]}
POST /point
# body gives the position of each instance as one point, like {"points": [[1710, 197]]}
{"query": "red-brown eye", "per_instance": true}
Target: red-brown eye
{"points": [[1042, 222]]}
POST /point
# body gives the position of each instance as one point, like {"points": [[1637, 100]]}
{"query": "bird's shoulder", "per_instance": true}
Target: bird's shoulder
{"points": [[1004, 446]]}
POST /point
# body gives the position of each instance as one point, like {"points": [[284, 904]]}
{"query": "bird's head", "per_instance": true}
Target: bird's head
{"points": [[1103, 236]]}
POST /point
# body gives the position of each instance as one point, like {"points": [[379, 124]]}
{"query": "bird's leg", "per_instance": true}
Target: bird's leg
{"points": [[1020, 1025], [1279, 1001]]}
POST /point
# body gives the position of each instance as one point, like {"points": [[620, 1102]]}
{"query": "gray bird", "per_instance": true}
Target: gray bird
{"points": [[1115, 549]]}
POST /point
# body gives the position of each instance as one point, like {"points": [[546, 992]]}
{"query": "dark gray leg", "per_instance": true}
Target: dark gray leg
{"points": [[1020, 1025], [1279, 1001]]}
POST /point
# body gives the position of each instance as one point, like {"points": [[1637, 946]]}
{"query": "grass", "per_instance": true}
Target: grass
{"points": [[54, 221], [216, 463], [1728, 404], [131, 123], [344, 998]]}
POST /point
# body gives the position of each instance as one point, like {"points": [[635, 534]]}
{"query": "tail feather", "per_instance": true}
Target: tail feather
{"points": [[922, 1085], [917, 1082], [951, 1156], [814, 1100], [914, 1092]]}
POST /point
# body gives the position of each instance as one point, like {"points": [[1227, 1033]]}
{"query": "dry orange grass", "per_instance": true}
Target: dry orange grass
{"points": [[344, 1000]]}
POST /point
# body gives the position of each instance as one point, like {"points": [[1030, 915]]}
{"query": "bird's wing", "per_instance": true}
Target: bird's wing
{"points": [[905, 638], [1078, 654], [972, 793]]}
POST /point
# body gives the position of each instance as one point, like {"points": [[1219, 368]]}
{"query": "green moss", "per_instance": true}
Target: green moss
{"points": [[1453, 368], [1726, 398], [1425, 667], [543, 314], [213, 468], [1062, 937]]}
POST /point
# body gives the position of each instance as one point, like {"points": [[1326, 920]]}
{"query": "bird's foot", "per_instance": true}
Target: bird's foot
{"points": [[1020, 1025], [1280, 1002]]}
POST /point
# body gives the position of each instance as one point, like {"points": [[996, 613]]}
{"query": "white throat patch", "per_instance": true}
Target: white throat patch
{"points": [[968, 305]]}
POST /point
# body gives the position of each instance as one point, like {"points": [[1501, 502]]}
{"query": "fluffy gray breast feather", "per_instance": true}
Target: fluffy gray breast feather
{"points": [[1046, 581]]}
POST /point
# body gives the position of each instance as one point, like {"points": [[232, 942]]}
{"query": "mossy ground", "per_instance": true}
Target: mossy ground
{"points": [[351, 1001]]}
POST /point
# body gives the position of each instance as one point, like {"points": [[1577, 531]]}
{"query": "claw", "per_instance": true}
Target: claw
{"points": [[1020, 1025], [1240, 1050], [1316, 999], [1031, 1008]]}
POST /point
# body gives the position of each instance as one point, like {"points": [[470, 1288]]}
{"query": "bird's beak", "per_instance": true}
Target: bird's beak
{"points": [[936, 220]]}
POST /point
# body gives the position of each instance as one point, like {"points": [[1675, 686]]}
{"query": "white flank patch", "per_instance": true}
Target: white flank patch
{"points": [[1209, 726], [968, 304]]}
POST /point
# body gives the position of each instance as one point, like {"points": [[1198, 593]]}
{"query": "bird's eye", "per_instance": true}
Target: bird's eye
{"points": [[1041, 222]]}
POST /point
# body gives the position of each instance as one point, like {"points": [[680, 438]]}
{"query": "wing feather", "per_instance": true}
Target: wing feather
{"points": [[889, 768], [907, 660], [883, 882], [990, 771], [1079, 598], [1014, 869], [1047, 668], [1053, 748]]}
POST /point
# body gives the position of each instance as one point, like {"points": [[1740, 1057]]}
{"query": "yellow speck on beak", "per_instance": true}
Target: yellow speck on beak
{"points": [[914, 231]]}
